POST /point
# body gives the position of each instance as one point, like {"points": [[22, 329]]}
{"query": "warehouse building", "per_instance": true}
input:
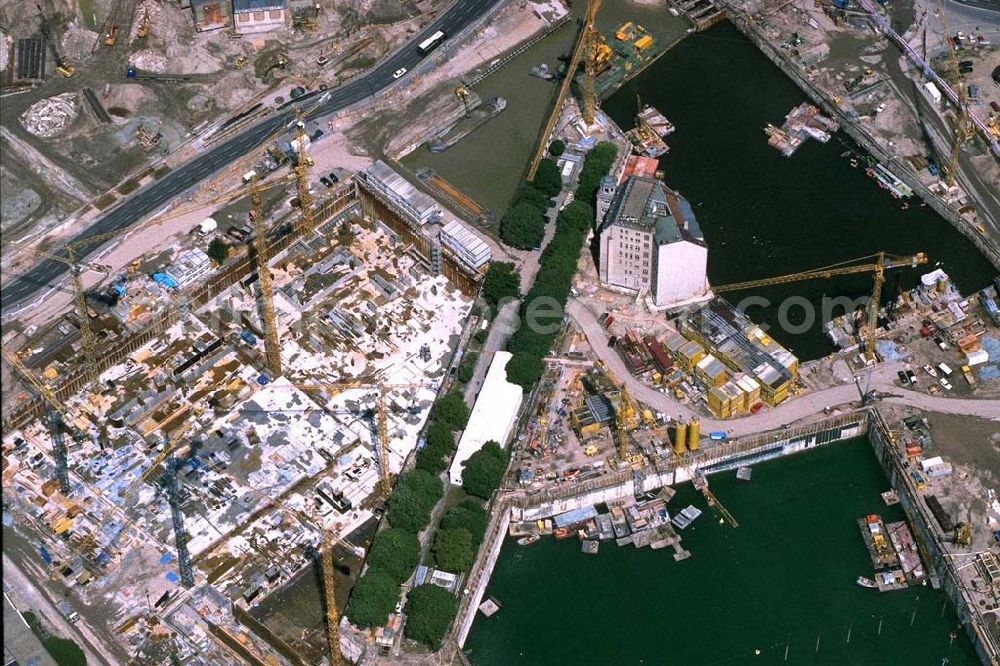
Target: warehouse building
{"points": [[493, 416], [651, 244], [250, 16]]}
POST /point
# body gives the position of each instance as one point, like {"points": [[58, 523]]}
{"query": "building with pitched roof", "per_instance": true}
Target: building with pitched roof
{"points": [[651, 243]]}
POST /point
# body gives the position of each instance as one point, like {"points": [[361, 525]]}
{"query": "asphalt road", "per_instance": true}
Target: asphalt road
{"points": [[45, 274]]}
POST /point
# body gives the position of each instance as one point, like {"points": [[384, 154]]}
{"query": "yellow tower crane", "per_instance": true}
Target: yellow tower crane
{"points": [[87, 337], [330, 599], [272, 352], [964, 129], [381, 416], [593, 45], [463, 94], [882, 262], [581, 50], [301, 171], [624, 421]]}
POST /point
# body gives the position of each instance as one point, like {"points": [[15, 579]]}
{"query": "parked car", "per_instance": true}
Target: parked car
{"points": [[333, 177], [612, 340], [325, 181], [911, 376], [322, 60], [903, 379], [945, 383]]}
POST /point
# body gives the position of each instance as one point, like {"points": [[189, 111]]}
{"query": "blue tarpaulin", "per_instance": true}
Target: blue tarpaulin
{"points": [[172, 577], [46, 557], [165, 280], [166, 557], [575, 517]]}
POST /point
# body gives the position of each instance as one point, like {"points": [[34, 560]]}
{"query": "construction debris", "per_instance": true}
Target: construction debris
{"points": [[51, 116], [148, 60]]}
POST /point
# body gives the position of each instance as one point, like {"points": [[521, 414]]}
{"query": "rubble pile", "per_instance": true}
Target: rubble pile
{"points": [[78, 43], [148, 60], [5, 44], [50, 116], [150, 6]]}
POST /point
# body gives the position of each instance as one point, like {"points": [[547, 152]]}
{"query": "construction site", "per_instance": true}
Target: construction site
{"points": [[205, 422]]}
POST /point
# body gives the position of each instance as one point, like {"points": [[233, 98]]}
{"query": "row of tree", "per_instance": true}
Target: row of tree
{"points": [[395, 551], [542, 309], [523, 225]]}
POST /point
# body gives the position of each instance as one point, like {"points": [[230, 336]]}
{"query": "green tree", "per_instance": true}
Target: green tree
{"points": [[523, 227], [481, 336], [468, 515], [530, 195], [467, 368], [396, 552], [218, 250], [408, 509], [430, 610], [557, 148], [453, 550], [412, 500], [439, 444], [548, 180], [374, 596], [451, 410], [502, 281], [523, 369], [484, 470]]}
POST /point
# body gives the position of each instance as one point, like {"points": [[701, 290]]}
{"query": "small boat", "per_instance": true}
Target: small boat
{"points": [[561, 533], [528, 540], [866, 582]]}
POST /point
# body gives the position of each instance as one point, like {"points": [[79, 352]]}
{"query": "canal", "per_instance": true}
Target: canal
{"points": [[764, 214], [780, 588]]}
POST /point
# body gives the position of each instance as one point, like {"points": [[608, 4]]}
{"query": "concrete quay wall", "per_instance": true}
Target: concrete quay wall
{"points": [[860, 136]]}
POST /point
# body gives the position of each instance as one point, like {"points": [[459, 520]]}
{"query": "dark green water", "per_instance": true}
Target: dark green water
{"points": [[764, 214], [783, 579]]}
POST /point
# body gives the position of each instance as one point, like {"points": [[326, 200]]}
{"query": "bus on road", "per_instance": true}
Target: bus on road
{"points": [[430, 43]]}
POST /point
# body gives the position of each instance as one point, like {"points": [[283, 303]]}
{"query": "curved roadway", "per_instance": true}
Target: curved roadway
{"points": [[152, 197], [800, 407]]}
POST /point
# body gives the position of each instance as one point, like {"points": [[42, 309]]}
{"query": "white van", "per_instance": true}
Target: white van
{"points": [[945, 370], [249, 175]]}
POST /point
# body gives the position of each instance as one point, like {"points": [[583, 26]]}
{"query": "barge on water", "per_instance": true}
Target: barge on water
{"points": [[474, 119], [621, 57], [802, 123]]}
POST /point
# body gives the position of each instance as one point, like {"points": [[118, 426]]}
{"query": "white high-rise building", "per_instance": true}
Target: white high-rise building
{"points": [[651, 242]]}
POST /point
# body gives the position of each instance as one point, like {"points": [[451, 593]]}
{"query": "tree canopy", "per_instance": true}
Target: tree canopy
{"points": [[396, 552], [484, 470], [430, 610], [218, 250], [412, 500], [453, 550], [557, 148], [468, 515], [501, 282], [374, 596], [451, 410], [522, 226], [548, 180], [467, 368]]}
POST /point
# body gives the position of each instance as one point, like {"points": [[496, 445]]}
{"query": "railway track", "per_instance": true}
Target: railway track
{"points": [[117, 27]]}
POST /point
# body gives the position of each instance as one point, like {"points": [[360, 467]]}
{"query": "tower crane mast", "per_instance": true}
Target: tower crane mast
{"points": [[882, 262]]}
